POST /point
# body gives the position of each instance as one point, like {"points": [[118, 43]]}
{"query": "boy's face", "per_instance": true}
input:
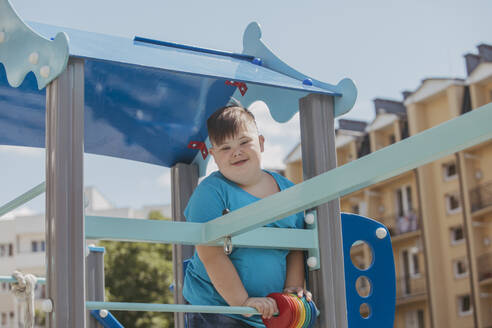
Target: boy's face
{"points": [[239, 157]]}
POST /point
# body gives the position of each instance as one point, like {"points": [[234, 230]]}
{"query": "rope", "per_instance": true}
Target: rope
{"points": [[24, 290]]}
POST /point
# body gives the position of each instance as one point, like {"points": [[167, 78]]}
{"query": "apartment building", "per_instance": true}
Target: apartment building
{"points": [[440, 214], [22, 247]]}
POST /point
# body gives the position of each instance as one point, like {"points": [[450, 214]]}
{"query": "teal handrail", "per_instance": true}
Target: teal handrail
{"points": [[189, 233], [12, 280], [122, 306], [447, 138], [24, 198], [452, 136]]}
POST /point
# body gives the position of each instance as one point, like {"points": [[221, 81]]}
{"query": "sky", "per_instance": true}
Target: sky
{"points": [[385, 47]]}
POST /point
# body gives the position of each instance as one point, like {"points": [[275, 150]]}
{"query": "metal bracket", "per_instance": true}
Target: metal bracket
{"points": [[311, 219], [228, 245]]}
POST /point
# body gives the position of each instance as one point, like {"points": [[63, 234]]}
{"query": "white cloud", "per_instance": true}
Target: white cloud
{"points": [[164, 180], [363, 111], [273, 156], [23, 151], [269, 127]]}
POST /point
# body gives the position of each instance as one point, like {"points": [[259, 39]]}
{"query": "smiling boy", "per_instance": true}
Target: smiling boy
{"points": [[247, 275]]}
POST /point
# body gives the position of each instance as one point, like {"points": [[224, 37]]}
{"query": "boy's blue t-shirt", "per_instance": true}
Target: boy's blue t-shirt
{"points": [[262, 271]]}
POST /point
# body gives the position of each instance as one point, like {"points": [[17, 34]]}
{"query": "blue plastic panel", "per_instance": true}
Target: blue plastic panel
{"points": [[146, 114], [22, 112], [139, 114], [108, 322], [381, 274]]}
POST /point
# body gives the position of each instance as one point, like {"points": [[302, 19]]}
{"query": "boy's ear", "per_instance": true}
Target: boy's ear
{"points": [[261, 138]]}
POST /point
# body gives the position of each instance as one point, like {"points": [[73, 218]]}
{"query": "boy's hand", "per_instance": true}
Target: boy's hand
{"points": [[300, 292], [265, 305]]}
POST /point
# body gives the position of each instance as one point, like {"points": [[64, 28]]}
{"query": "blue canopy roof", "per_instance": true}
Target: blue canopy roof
{"points": [[146, 100]]}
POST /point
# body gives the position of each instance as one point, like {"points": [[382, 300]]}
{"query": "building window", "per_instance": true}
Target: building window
{"points": [[410, 265], [457, 235], [34, 246], [415, 268], [453, 204], [3, 251], [460, 268], [464, 305], [420, 318], [414, 319], [404, 200], [392, 139], [450, 171], [43, 246], [4, 286], [11, 249]]}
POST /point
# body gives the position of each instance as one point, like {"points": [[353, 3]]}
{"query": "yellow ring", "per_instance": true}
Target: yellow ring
{"points": [[301, 310]]}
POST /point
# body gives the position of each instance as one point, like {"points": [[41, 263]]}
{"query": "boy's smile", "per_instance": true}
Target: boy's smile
{"points": [[239, 157]]}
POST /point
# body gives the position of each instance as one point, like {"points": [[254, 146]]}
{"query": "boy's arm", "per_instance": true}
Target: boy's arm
{"points": [[294, 281], [226, 281]]}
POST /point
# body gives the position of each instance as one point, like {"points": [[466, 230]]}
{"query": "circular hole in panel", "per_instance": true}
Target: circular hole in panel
{"points": [[361, 255], [363, 286], [365, 310]]}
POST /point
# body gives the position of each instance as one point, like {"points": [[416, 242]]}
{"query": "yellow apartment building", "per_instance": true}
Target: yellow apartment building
{"points": [[440, 214]]}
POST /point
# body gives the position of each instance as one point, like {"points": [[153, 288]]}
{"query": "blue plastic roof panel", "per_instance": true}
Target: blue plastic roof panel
{"points": [[145, 100], [142, 121], [124, 50]]}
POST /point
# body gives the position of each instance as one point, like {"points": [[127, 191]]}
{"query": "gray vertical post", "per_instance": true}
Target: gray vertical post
{"points": [[318, 156], [95, 280], [184, 179], [65, 256]]}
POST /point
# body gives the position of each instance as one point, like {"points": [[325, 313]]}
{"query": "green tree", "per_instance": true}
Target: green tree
{"points": [[139, 272]]}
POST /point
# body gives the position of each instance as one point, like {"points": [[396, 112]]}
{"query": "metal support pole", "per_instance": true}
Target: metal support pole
{"points": [[184, 179], [95, 280], [318, 156], [65, 256]]}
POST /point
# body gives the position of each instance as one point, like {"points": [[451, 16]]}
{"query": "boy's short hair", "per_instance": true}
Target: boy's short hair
{"points": [[227, 121]]}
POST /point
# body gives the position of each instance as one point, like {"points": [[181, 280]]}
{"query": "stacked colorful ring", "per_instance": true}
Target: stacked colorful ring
{"points": [[294, 312]]}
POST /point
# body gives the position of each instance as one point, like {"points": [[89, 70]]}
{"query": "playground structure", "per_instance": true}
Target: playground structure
{"points": [[147, 100]]}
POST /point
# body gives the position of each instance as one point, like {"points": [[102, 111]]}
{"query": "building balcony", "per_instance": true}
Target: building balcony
{"points": [[411, 288], [484, 265], [481, 197], [400, 225], [30, 260]]}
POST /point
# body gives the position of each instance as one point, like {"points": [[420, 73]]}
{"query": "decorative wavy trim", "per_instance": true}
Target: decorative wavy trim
{"points": [[253, 45], [22, 50]]}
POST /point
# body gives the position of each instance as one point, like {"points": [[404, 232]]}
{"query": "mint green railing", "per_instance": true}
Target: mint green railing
{"points": [[24, 198]]}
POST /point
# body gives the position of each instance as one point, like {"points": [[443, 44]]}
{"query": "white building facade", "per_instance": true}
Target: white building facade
{"points": [[22, 248]]}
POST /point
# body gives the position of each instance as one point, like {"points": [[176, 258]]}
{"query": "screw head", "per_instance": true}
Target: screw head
{"points": [[381, 233], [309, 218], [312, 261], [103, 313]]}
